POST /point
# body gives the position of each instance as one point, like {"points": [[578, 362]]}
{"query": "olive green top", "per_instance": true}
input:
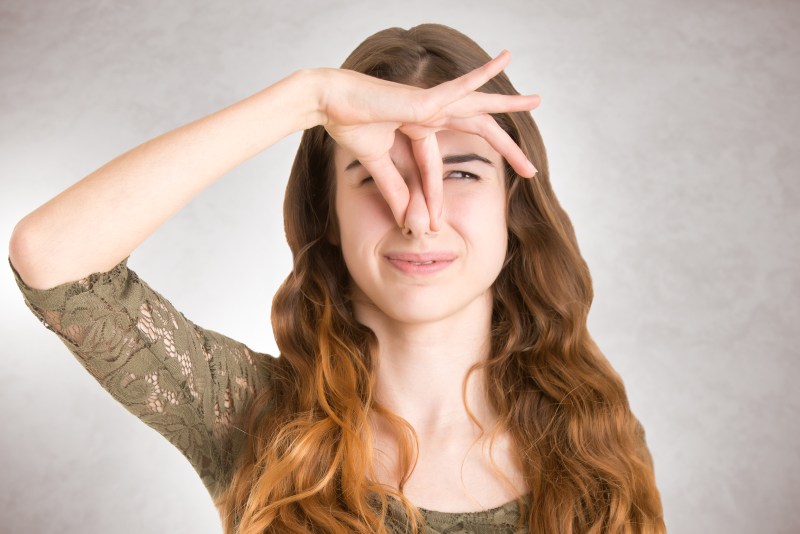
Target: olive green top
{"points": [[188, 383]]}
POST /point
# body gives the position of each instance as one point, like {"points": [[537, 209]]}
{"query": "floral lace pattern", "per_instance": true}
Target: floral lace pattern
{"points": [[188, 383], [500, 520]]}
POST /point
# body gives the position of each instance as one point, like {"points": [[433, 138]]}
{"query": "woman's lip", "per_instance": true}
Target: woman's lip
{"points": [[410, 267], [428, 256]]}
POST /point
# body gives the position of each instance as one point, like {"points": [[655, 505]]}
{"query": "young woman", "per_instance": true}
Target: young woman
{"points": [[435, 370]]}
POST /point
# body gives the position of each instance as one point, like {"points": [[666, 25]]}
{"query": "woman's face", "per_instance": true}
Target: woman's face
{"points": [[470, 244]]}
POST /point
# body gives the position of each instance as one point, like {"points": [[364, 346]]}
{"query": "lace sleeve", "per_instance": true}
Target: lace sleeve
{"points": [[188, 383]]}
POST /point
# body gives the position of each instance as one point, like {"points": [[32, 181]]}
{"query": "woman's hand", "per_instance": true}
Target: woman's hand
{"points": [[362, 113]]}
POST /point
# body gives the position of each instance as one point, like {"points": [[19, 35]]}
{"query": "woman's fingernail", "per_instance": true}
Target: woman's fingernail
{"points": [[532, 168]]}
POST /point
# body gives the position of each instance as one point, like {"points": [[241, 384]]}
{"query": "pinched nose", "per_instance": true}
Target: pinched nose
{"points": [[418, 220]]}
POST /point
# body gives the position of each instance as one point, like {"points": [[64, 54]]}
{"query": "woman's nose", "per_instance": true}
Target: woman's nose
{"points": [[418, 221]]}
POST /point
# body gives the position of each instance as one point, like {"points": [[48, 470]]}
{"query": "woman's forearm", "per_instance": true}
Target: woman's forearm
{"points": [[100, 220]]}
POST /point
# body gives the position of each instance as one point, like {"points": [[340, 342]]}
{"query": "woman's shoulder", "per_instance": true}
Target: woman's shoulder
{"points": [[189, 383]]}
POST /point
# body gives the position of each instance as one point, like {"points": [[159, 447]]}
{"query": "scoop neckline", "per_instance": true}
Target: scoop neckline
{"points": [[512, 504]]}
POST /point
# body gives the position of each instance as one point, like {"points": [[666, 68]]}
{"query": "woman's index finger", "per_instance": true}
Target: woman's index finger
{"points": [[391, 185], [429, 161]]}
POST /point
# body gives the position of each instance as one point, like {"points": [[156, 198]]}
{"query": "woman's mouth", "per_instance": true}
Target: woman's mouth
{"points": [[421, 263]]}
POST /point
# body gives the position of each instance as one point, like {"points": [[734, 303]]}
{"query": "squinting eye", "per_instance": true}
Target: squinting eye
{"points": [[367, 179], [466, 175]]}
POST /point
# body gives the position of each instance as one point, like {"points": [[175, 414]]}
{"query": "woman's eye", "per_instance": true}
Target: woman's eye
{"points": [[464, 175]]}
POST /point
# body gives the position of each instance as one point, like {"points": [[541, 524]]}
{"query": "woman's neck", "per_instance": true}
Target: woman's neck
{"points": [[421, 368]]}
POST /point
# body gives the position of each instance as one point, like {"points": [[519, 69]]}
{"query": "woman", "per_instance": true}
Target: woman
{"points": [[435, 373]]}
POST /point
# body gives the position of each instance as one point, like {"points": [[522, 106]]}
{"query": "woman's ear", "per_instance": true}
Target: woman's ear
{"points": [[332, 224], [332, 235]]}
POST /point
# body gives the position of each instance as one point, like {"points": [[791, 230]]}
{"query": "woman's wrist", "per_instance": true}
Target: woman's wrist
{"points": [[308, 85]]}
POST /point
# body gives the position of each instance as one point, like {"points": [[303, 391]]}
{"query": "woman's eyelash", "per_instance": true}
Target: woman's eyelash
{"points": [[467, 176]]}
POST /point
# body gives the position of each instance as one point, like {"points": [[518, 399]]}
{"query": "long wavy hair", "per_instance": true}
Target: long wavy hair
{"points": [[308, 464]]}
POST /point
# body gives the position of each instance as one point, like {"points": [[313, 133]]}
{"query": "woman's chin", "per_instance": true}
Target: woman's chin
{"points": [[417, 311]]}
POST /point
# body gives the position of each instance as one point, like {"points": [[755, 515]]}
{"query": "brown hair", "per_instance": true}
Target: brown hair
{"points": [[308, 464]]}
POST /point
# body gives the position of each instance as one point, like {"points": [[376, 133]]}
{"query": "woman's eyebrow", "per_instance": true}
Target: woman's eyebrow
{"points": [[446, 160], [464, 158]]}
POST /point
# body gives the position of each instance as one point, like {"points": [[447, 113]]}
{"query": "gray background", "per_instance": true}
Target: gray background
{"points": [[669, 129]]}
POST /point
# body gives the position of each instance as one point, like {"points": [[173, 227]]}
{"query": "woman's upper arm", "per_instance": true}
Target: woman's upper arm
{"points": [[188, 383]]}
